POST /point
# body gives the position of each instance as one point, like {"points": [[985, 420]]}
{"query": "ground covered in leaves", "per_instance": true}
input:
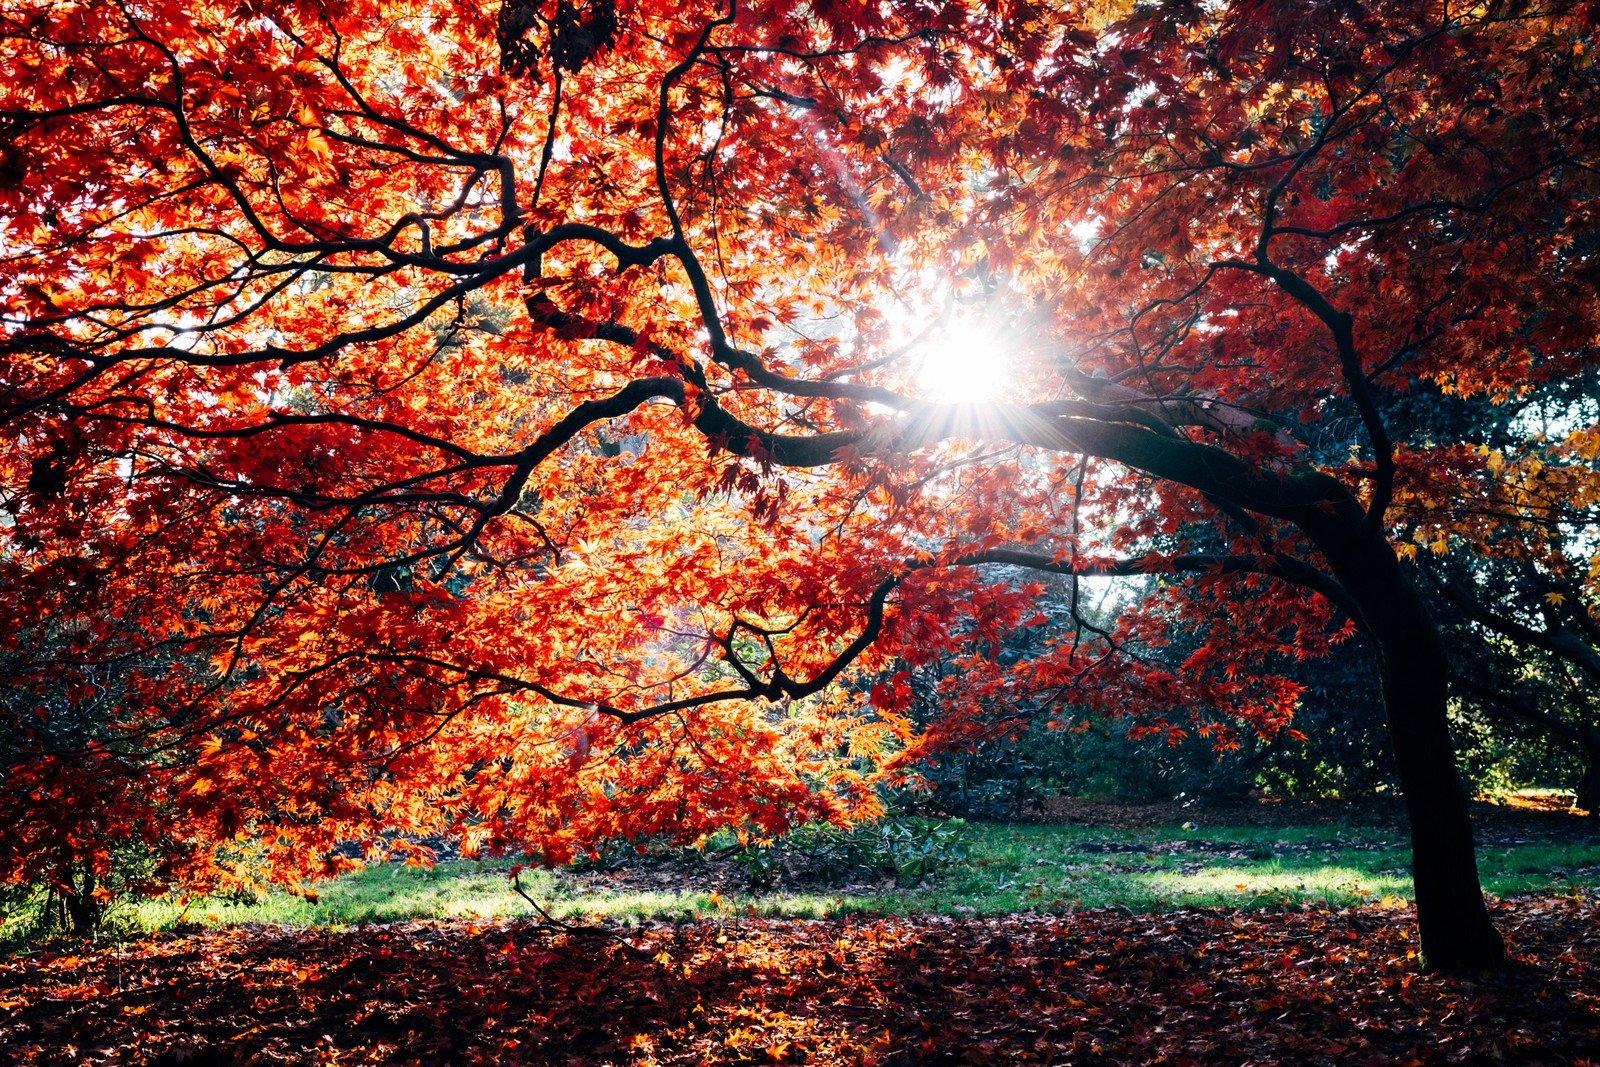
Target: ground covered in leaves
{"points": [[1102, 987]]}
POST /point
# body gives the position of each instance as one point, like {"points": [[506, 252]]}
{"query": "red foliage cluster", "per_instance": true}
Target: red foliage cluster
{"points": [[1189, 987]]}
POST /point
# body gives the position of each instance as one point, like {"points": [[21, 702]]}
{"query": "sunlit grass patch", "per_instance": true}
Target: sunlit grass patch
{"points": [[395, 892], [384, 892], [1236, 886]]}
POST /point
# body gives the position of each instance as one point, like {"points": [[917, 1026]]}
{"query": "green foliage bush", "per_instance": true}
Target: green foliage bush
{"points": [[1501, 755], [81, 900], [1010, 779], [905, 848]]}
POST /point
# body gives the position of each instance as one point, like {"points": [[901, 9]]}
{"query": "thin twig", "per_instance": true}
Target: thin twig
{"points": [[551, 920]]}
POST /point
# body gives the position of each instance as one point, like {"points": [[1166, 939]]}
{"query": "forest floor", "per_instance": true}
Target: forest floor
{"points": [[1263, 982]]}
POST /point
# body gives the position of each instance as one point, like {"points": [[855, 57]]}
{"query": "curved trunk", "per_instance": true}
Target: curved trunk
{"points": [[1452, 919]]}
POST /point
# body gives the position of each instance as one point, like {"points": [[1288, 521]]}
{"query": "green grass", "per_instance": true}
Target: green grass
{"points": [[1006, 869]]}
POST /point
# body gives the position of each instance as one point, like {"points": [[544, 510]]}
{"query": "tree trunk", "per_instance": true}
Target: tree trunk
{"points": [[1452, 919], [77, 908], [1589, 789], [1589, 783], [82, 914]]}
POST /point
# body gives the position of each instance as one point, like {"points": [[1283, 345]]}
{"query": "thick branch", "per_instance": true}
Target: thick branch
{"points": [[1562, 643]]}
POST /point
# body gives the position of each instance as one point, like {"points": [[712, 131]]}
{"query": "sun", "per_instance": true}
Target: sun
{"points": [[962, 363]]}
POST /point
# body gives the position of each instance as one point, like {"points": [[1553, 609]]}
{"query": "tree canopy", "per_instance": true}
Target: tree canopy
{"points": [[537, 424]]}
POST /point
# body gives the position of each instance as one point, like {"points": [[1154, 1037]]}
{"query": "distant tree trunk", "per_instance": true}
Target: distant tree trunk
{"points": [[1452, 918], [78, 910]]}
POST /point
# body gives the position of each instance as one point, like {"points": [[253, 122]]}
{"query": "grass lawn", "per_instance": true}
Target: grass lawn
{"points": [[1005, 868]]}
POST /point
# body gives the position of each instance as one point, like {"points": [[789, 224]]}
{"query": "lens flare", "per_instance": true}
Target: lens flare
{"points": [[962, 364]]}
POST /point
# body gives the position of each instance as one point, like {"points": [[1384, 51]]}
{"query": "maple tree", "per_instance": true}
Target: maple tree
{"points": [[517, 424]]}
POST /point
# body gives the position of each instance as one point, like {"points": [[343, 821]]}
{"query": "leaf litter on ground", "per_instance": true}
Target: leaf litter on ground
{"points": [[1189, 986]]}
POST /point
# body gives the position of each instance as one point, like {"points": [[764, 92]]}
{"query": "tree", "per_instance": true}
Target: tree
{"points": [[518, 423]]}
